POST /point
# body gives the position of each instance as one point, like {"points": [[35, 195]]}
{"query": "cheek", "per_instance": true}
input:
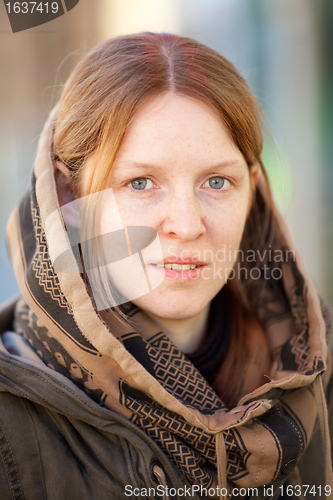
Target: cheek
{"points": [[136, 212], [227, 230]]}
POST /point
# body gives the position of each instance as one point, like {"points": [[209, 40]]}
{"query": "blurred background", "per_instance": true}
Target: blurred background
{"points": [[283, 48]]}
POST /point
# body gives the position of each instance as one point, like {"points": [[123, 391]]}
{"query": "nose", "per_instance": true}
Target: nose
{"points": [[183, 218]]}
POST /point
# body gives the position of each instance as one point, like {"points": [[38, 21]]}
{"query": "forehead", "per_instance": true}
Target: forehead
{"points": [[178, 127]]}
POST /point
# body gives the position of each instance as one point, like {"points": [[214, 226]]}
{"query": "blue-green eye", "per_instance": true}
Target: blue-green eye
{"points": [[139, 184], [218, 182]]}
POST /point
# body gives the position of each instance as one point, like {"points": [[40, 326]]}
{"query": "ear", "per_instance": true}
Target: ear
{"points": [[66, 195], [65, 189], [254, 175]]}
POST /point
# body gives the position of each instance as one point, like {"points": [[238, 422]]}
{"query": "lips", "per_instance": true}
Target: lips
{"points": [[179, 261]]}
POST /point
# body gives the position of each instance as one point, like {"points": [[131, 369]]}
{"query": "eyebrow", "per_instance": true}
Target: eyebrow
{"points": [[223, 164]]}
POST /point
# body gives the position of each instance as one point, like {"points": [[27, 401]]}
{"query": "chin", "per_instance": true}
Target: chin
{"points": [[173, 308]]}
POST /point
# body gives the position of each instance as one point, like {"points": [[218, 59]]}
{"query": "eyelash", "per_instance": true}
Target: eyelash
{"points": [[213, 177]]}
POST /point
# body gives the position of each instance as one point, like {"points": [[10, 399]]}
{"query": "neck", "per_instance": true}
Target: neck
{"points": [[187, 333]]}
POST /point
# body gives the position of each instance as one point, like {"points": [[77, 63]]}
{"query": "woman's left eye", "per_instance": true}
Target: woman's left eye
{"points": [[140, 184], [217, 183]]}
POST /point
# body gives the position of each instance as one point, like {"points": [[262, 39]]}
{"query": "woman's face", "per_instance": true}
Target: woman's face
{"points": [[179, 172]]}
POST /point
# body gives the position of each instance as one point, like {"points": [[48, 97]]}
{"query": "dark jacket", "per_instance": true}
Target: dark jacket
{"points": [[64, 445]]}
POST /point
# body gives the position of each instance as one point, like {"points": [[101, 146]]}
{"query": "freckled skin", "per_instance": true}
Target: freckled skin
{"points": [[179, 144]]}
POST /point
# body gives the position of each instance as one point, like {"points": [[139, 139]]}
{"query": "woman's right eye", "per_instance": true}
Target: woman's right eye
{"points": [[140, 184]]}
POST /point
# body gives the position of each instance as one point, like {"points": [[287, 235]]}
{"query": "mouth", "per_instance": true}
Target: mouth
{"points": [[177, 267], [180, 272]]}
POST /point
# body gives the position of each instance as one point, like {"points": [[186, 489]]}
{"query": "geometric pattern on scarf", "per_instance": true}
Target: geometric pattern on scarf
{"points": [[174, 371], [42, 266], [189, 447], [50, 350], [143, 376]]}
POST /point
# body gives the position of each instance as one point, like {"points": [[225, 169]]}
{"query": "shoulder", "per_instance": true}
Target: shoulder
{"points": [[46, 454], [38, 461]]}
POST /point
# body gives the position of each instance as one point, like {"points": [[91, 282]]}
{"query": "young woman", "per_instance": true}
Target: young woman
{"points": [[168, 342]]}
